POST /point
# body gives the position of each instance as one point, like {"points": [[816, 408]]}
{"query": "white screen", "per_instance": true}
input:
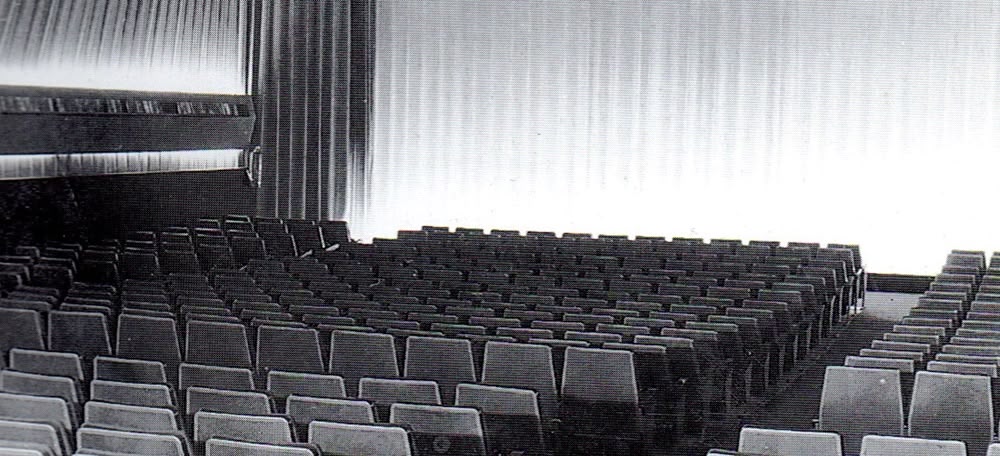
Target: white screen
{"points": [[855, 121]]}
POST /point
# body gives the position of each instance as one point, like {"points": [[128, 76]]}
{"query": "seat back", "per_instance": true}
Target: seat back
{"points": [[780, 442], [20, 328], [304, 410], [47, 363], [40, 385], [83, 333], [355, 355], [218, 344], [952, 406], [151, 339], [247, 428], [526, 366], [288, 349], [283, 384], [441, 430], [141, 394], [223, 447], [445, 361], [227, 378], [877, 445], [37, 408], [385, 392], [36, 435], [510, 417], [342, 438], [130, 417], [104, 441], [861, 401], [234, 402], [599, 380]]}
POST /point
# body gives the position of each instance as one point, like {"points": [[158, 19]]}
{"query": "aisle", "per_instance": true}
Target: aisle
{"points": [[796, 405]]}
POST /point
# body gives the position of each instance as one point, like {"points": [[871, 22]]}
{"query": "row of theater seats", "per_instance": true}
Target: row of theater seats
{"points": [[640, 353], [924, 388]]}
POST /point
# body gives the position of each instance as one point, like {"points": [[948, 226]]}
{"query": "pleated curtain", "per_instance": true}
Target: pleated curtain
{"points": [[304, 92]]}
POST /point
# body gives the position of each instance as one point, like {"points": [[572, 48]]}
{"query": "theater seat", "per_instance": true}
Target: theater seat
{"points": [[453, 431], [875, 445], [600, 403], [359, 439], [510, 418], [789, 443]]}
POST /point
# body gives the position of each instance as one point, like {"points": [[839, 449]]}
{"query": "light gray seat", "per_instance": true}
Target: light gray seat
{"points": [[429, 423], [525, 366], [385, 392], [356, 355], [20, 328], [789, 443], [105, 441], [359, 439], [445, 361], [130, 417], [877, 445], [217, 344], [235, 402], [35, 450], [860, 401], [989, 370], [41, 434], [129, 370], [247, 428], [47, 363], [994, 450], [283, 384], [216, 377], [141, 394], [952, 406], [305, 410], [223, 447], [40, 385], [36, 408]]}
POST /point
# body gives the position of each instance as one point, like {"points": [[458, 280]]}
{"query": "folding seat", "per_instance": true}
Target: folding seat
{"points": [[226, 401], [445, 361], [431, 425], [47, 363], [385, 392], [861, 401], [905, 365], [21, 328], [218, 344], [283, 384], [224, 447], [128, 393], [599, 407], [215, 377], [130, 418], [628, 332], [355, 355], [151, 339], [877, 445], [18, 438], [952, 406], [304, 410], [780, 442], [558, 328], [350, 439], [244, 428], [701, 311], [589, 320], [38, 409], [653, 324], [307, 235], [288, 349]]}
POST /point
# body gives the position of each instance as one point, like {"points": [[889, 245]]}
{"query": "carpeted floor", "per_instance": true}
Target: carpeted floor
{"points": [[795, 403]]}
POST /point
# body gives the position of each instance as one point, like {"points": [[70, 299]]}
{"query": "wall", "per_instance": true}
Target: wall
{"points": [[34, 211]]}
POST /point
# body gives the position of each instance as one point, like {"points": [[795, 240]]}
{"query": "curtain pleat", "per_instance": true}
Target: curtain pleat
{"points": [[303, 121], [195, 46]]}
